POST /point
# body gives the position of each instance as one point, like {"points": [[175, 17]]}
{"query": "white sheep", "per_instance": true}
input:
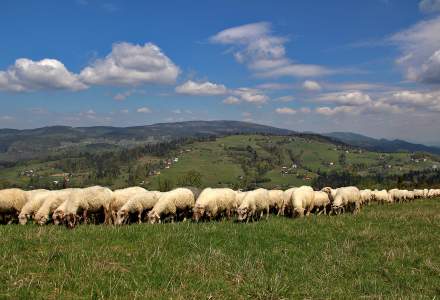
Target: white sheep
{"points": [[58, 214], [286, 208], [12, 201], [303, 200], [366, 196], [239, 197], [88, 200], [36, 199], [346, 197], [214, 202], [321, 201], [254, 205], [276, 200], [121, 196], [171, 204], [52, 201], [382, 196], [137, 204]]}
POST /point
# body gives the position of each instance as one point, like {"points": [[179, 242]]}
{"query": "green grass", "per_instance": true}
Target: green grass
{"points": [[384, 252]]}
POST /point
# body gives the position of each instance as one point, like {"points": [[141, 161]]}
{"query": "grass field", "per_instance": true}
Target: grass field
{"points": [[384, 252]]}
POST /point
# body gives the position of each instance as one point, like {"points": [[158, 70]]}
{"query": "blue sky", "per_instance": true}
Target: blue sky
{"points": [[371, 67]]}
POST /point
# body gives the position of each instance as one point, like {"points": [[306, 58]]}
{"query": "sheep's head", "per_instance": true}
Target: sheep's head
{"points": [[41, 219], [242, 212], [58, 217], [70, 220], [153, 217], [327, 190], [121, 217], [199, 211], [23, 218]]}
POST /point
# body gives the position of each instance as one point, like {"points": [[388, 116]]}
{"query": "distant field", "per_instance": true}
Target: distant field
{"points": [[389, 251]]}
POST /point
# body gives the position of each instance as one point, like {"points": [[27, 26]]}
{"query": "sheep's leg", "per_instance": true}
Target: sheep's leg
{"points": [[267, 213], [85, 216], [139, 221]]}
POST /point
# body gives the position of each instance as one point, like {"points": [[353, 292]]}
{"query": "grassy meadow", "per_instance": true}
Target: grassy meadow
{"points": [[389, 251]]}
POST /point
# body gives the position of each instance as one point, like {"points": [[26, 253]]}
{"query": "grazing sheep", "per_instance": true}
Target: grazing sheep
{"points": [[346, 197], [212, 203], [396, 195], [321, 202], [36, 199], [254, 204], [88, 200], [171, 204], [276, 200], [12, 201], [240, 196], [58, 214], [121, 196], [303, 200], [137, 205], [366, 196], [382, 196], [286, 208], [53, 200]]}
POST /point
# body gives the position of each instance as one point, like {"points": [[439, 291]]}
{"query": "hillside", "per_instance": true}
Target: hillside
{"points": [[238, 161], [40, 142], [382, 145]]}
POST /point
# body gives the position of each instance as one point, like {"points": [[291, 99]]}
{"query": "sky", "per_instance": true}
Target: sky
{"points": [[370, 67]]}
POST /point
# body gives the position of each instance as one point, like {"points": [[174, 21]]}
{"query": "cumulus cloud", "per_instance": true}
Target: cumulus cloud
{"points": [[144, 110], [231, 100], [420, 47], [349, 98], [260, 50], [285, 111], [284, 99], [130, 64], [330, 111], [429, 6], [311, 85], [251, 95], [201, 88], [429, 101], [29, 75]]}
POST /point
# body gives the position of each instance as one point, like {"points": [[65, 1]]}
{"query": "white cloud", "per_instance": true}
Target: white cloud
{"points": [[429, 101], [429, 6], [123, 95], [263, 52], [176, 111], [328, 111], [284, 99], [129, 64], [420, 47], [285, 111], [349, 98], [251, 95], [231, 100], [201, 88], [144, 110], [124, 111], [305, 110], [274, 86], [29, 75], [311, 85]]}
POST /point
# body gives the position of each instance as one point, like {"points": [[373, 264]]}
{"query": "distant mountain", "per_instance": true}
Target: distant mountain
{"points": [[382, 145], [32, 143]]}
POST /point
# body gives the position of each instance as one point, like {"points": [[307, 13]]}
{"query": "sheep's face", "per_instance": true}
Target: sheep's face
{"points": [[337, 202], [153, 217], [22, 219], [57, 218], [198, 213], [40, 220], [121, 217], [243, 213], [71, 220]]}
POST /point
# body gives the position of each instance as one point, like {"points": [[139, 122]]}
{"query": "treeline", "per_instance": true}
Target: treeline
{"points": [[410, 180]]}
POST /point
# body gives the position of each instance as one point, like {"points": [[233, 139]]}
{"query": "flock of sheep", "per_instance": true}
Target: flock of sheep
{"points": [[135, 204]]}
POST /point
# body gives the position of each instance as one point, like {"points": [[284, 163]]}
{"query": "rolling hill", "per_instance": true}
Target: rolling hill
{"points": [[381, 145]]}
